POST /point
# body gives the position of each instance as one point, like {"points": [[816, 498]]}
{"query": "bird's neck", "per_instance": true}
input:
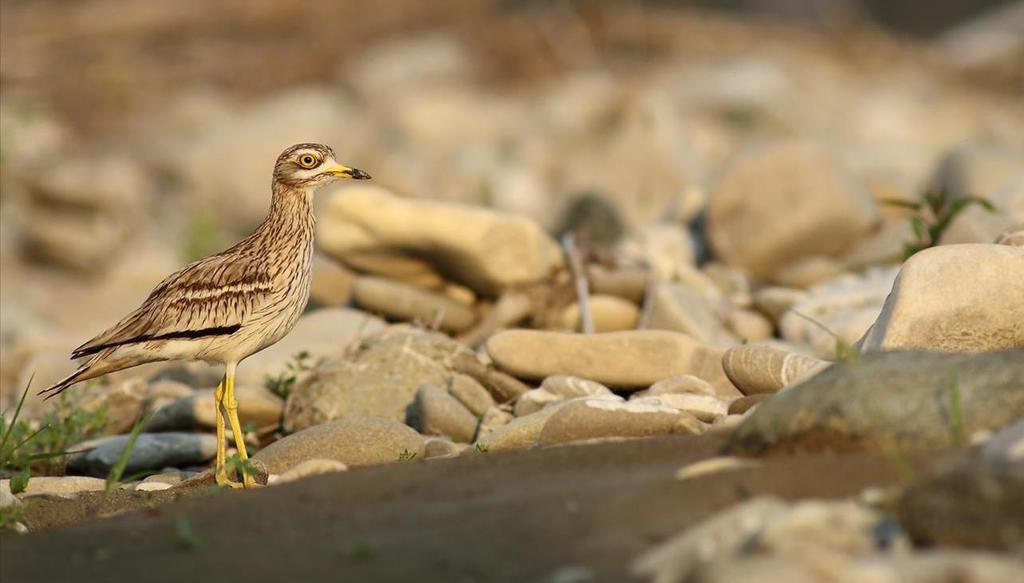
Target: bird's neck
{"points": [[290, 203]]}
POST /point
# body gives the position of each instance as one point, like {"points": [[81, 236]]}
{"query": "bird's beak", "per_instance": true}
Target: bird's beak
{"points": [[346, 172]]}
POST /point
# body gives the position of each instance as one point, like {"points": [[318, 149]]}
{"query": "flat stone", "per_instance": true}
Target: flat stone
{"points": [[152, 451], [617, 359], [904, 400], [471, 394], [680, 309], [401, 301], [756, 368], [785, 201], [313, 467], [706, 408], [256, 405], [443, 447], [957, 298], [678, 385], [63, 486], [628, 284], [600, 418], [436, 412], [609, 314], [483, 249], [775, 301], [356, 440]]}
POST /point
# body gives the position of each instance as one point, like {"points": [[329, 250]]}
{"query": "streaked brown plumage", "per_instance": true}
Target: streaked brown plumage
{"points": [[227, 306]]}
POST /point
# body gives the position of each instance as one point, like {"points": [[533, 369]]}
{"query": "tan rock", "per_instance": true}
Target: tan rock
{"points": [[957, 298], [436, 412], [679, 309], [471, 394], [748, 325], [609, 313], [782, 202], [775, 301], [706, 408], [676, 385], [480, 248], [629, 284], [312, 467], [599, 418], [619, 359], [757, 369], [519, 433], [256, 405], [401, 301]]}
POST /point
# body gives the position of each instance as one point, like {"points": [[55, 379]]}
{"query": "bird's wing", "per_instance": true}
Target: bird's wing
{"points": [[211, 297]]}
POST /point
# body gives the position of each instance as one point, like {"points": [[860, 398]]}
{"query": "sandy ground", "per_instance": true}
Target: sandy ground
{"points": [[486, 517]]}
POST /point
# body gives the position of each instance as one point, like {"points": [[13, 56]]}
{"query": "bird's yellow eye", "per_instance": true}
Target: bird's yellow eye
{"points": [[308, 160]]}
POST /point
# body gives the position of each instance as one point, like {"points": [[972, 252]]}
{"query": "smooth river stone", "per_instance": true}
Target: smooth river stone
{"points": [[609, 313], [954, 298], [481, 248], [601, 418], [401, 301], [755, 368], [634, 359]]}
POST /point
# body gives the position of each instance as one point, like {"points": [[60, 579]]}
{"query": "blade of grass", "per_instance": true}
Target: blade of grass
{"points": [[17, 412], [114, 477]]}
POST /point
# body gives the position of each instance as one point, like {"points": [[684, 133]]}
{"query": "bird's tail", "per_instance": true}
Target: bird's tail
{"points": [[97, 365]]}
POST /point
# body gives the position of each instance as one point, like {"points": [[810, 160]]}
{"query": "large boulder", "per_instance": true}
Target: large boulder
{"points": [[890, 401], [486, 250], [958, 298], [783, 202]]}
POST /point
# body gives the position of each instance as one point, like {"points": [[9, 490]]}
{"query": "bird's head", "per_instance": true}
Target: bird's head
{"points": [[311, 165]]}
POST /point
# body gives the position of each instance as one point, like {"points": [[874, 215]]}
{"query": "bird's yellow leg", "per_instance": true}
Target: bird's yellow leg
{"points": [[231, 406], [220, 472]]}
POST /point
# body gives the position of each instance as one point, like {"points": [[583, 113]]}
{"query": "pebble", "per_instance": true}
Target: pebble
{"points": [[332, 283], [590, 418], [152, 451], [471, 394], [706, 408], [401, 301], [755, 368], [748, 325], [677, 385], [355, 440], [443, 447], [609, 314], [63, 486], [616, 359], [494, 418], [680, 309], [746, 403], [519, 433], [775, 301], [436, 412], [715, 465], [627, 283]]}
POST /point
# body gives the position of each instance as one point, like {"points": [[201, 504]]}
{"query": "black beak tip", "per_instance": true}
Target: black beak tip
{"points": [[359, 174]]}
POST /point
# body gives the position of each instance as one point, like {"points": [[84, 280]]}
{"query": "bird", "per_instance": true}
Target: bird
{"points": [[230, 305]]}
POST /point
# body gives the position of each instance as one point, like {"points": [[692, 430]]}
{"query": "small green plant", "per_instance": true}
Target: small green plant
{"points": [[932, 215], [406, 455], [42, 445], [237, 465], [362, 550], [117, 471], [957, 424], [482, 447], [185, 538], [19, 481], [282, 384]]}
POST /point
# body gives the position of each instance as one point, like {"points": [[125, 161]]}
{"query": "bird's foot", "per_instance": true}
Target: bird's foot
{"points": [[223, 480]]}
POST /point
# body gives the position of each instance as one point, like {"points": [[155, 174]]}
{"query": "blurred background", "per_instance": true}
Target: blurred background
{"points": [[139, 135]]}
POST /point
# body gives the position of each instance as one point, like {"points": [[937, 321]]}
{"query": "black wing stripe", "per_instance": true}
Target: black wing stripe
{"points": [[178, 335]]}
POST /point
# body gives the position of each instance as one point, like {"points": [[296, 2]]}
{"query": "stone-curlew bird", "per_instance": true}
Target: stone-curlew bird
{"points": [[231, 305]]}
